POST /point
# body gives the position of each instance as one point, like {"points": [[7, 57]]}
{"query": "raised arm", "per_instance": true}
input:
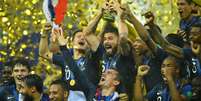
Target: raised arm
{"points": [[169, 48], [122, 26], [142, 32], [87, 86], [132, 33], [43, 45], [138, 90], [89, 31]]}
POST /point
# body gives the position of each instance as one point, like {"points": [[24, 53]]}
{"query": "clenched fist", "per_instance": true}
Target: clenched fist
{"points": [[143, 70]]}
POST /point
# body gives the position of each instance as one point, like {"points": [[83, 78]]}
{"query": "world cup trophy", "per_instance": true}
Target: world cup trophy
{"points": [[109, 14]]}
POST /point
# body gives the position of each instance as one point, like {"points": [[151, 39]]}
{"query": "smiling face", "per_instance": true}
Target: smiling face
{"points": [[110, 42], [109, 79], [195, 40], [184, 9], [79, 41], [19, 72]]}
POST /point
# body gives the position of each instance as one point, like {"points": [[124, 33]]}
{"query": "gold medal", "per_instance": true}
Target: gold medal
{"points": [[72, 82]]}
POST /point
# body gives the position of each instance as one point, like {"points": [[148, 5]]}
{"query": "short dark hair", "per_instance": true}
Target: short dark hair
{"points": [[62, 83], [110, 28], [34, 80], [23, 62], [75, 32]]}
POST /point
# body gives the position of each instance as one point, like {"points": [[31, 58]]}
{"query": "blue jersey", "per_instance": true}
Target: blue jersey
{"points": [[88, 65], [161, 92], [125, 65], [193, 66], [59, 60], [154, 61], [84, 83], [185, 26], [9, 93]]}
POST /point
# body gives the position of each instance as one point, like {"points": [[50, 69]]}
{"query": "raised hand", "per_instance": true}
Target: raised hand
{"points": [[116, 6], [53, 36], [47, 28], [105, 6], [60, 37], [143, 70], [127, 14]]}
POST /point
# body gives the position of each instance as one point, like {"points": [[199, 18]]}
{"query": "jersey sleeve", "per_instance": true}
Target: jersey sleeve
{"points": [[58, 60], [87, 86], [97, 55]]}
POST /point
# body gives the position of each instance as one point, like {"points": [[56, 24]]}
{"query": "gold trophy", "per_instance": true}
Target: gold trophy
{"points": [[109, 14]]}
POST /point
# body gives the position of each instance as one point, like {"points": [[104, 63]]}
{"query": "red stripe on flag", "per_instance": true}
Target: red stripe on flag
{"points": [[60, 11]]}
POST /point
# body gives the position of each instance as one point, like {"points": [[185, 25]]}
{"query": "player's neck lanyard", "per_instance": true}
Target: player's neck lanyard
{"points": [[109, 62]]}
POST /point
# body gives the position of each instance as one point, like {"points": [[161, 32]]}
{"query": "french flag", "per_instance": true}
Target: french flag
{"points": [[55, 10]]}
